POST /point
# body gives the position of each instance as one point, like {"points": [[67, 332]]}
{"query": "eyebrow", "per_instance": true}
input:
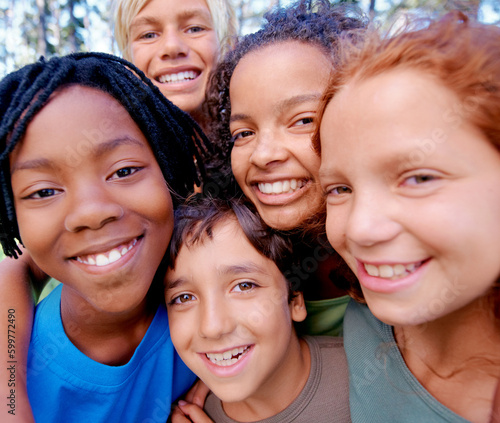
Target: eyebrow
{"points": [[282, 105], [184, 15], [103, 148], [298, 99]]}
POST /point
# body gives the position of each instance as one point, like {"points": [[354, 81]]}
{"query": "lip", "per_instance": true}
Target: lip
{"points": [[231, 370], [388, 286], [279, 199], [105, 248]]}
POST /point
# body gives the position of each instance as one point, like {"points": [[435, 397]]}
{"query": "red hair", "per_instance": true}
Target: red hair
{"points": [[462, 54]]}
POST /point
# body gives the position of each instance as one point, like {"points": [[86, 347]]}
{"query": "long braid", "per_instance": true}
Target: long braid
{"points": [[173, 135]]}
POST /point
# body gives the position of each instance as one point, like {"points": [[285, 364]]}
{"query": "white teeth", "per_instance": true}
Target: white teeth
{"points": [[371, 270], [387, 271], [399, 269], [281, 187], [227, 358], [103, 259], [177, 77], [114, 255]]}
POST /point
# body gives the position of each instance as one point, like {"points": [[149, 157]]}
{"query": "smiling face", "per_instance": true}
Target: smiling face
{"points": [[92, 205], [175, 45], [229, 316], [274, 97], [413, 196]]}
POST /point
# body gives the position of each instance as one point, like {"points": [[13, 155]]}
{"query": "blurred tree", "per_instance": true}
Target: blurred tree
{"points": [[30, 28]]}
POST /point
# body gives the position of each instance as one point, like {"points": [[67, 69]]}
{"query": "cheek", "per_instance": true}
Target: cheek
{"points": [[334, 229], [177, 334], [37, 229], [159, 203], [239, 164], [211, 49]]}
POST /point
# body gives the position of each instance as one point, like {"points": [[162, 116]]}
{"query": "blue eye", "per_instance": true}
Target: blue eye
{"points": [[195, 29], [148, 35]]}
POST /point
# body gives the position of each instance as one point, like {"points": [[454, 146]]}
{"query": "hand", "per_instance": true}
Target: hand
{"points": [[188, 412], [197, 394]]}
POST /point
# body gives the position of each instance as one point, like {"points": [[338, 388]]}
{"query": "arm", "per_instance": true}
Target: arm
{"points": [[16, 313]]}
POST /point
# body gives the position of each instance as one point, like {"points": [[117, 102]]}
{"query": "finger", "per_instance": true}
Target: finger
{"points": [[194, 412], [178, 416], [200, 394]]}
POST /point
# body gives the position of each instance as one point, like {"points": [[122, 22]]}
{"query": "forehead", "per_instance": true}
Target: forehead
{"points": [[174, 9], [228, 245], [402, 111], [284, 60], [75, 120], [272, 76]]}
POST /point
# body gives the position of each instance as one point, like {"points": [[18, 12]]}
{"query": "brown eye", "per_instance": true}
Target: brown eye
{"points": [[419, 179], [244, 286], [183, 299]]}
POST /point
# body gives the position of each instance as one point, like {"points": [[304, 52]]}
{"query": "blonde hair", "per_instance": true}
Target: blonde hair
{"points": [[223, 17]]}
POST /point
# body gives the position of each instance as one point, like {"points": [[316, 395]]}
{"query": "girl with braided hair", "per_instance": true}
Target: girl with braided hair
{"points": [[94, 159]]}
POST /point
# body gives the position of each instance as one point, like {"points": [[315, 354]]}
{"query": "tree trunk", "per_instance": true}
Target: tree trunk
{"points": [[42, 43]]}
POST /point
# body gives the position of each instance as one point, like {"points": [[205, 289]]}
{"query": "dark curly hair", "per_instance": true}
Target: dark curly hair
{"points": [[315, 22], [174, 136]]}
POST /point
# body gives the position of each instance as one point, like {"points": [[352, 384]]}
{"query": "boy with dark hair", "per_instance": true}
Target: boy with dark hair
{"points": [[231, 312]]}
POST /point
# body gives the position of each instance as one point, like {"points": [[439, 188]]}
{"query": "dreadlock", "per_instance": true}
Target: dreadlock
{"points": [[178, 143], [316, 22]]}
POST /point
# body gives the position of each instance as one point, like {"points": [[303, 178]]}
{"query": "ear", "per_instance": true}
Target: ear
{"points": [[298, 307]]}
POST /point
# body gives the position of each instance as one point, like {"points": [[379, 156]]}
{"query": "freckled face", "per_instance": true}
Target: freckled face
{"points": [[93, 208], [229, 316], [174, 43], [413, 196], [274, 96]]}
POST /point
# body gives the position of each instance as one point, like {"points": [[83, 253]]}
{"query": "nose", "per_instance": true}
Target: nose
{"points": [[173, 45], [91, 207], [372, 220], [216, 320], [268, 149]]}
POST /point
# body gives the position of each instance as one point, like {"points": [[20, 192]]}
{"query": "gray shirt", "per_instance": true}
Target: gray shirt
{"points": [[325, 397]]}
